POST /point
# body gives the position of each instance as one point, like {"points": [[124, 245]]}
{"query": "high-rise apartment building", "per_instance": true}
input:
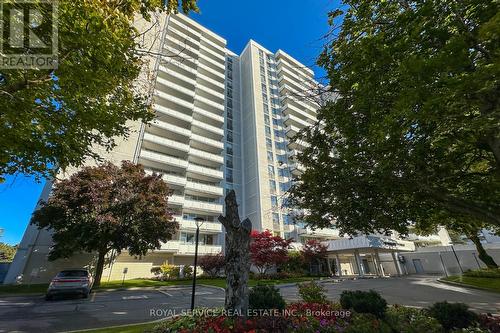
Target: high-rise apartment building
{"points": [[223, 122]]}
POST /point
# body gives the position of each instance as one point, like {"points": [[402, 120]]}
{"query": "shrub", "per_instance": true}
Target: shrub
{"points": [[364, 302], [493, 273], [265, 297], [490, 323], [170, 271], [187, 271], [410, 320], [156, 271], [312, 292], [212, 265], [453, 315], [367, 323]]}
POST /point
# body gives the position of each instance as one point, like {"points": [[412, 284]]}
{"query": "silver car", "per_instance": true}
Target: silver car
{"points": [[71, 281]]}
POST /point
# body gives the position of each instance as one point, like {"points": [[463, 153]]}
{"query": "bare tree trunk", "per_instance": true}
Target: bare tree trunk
{"points": [[99, 268], [485, 257], [237, 256]]}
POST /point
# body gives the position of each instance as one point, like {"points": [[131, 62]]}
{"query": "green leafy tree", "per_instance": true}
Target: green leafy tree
{"points": [[415, 131], [52, 118], [104, 208], [7, 252]]}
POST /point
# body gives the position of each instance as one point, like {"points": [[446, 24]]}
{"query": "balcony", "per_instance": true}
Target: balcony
{"points": [[203, 206], [211, 62], [211, 104], [206, 127], [171, 127], [204, 171], [206, 155], [291, 131], [322, 233], [220, 54], [216, 95], [290, 119], [176, 200], [205, 228], [172, 113], [166, 73], [172, 144], [298, 145], [173, 99], [183, 35], [207, 114], [291, 109], [204, 188], [164, 159], [169, 84], [186, 248], [210, 144], [218, 74], [216, 83], [170, 179]]}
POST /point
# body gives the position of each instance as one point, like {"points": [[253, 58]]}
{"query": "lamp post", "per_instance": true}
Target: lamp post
{"points": [[198, 221]]}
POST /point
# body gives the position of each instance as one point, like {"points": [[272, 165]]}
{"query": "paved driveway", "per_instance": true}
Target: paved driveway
{"points": [[101, 309], [421, 291]]}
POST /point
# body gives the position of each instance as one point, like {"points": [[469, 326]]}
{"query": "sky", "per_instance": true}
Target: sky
{"points": [[295, 26]]}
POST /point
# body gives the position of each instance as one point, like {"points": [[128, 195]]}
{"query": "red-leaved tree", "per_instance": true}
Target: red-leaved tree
{"points": [[212, 264], [267, 250], [314, 251], [104, 208]]}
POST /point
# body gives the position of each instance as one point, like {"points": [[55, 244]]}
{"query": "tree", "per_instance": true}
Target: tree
{"points": [[7, 252], [212, 264], [295, 263], [105, 208], [314, 251], [267, 251], [237, 256], [415, 131], [52, 118]]}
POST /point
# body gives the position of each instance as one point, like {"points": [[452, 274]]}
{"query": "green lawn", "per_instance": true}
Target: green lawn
{"points": [[492, 284], [139, 328], [221, 282]]}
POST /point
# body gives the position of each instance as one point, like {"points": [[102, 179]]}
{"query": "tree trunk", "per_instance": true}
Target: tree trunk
{"points": [[237, 256], [99, 267], [485, 257]]}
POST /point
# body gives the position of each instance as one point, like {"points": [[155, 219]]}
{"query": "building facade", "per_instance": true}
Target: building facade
{"points": [[223, 121]]}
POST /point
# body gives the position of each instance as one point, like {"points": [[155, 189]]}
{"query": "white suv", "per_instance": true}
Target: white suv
{"points": [[71, 281]]}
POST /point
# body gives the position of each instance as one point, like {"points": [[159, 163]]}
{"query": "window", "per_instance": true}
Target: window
{"points": [[270, 171], [229, 149], [229, 124], [266, 119], [284, 187], [280, 145], [275, 122], [269, 156], [268, 131], [229, 136], [272, 186], [283, 172], [269, 143], [230, 113], [229, 162], [187, 238], [230, 102], [274, 201], [287, 219], [276, 218], [281, 158], [229, 175]]}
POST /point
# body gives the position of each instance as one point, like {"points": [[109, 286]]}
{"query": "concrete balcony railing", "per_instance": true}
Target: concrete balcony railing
{"points": [[206, 227], [323, 233], [293, 110], [175, 199], [291, 131], [170, 179], [188, 66], [173, 99], [175, 86], [186, 248], [206, 155], [213, 93], [183, 48], [213, 173], [208, 114], [162, 158], [171, 127], [205, 126], [203, 206], [209, 46], [169, 112], [210, 142], [172, 144], [211, 62], [210, 103], [291, 119], [218, 73], [183, 35], [204, 188], [219, 84], [163, 70]]}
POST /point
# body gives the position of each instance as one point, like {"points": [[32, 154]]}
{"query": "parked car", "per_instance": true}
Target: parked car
{"points": [[70, 281]]}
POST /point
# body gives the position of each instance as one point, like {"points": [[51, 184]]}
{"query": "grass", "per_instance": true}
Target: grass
{"points": [[140, 283], [137, 328], [491, 284]]}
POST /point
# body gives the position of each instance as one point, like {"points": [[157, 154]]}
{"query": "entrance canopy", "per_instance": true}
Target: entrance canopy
{"points": [[370, 243]]}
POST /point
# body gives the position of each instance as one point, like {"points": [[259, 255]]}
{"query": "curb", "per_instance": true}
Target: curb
{"points": [[459, 284]]}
